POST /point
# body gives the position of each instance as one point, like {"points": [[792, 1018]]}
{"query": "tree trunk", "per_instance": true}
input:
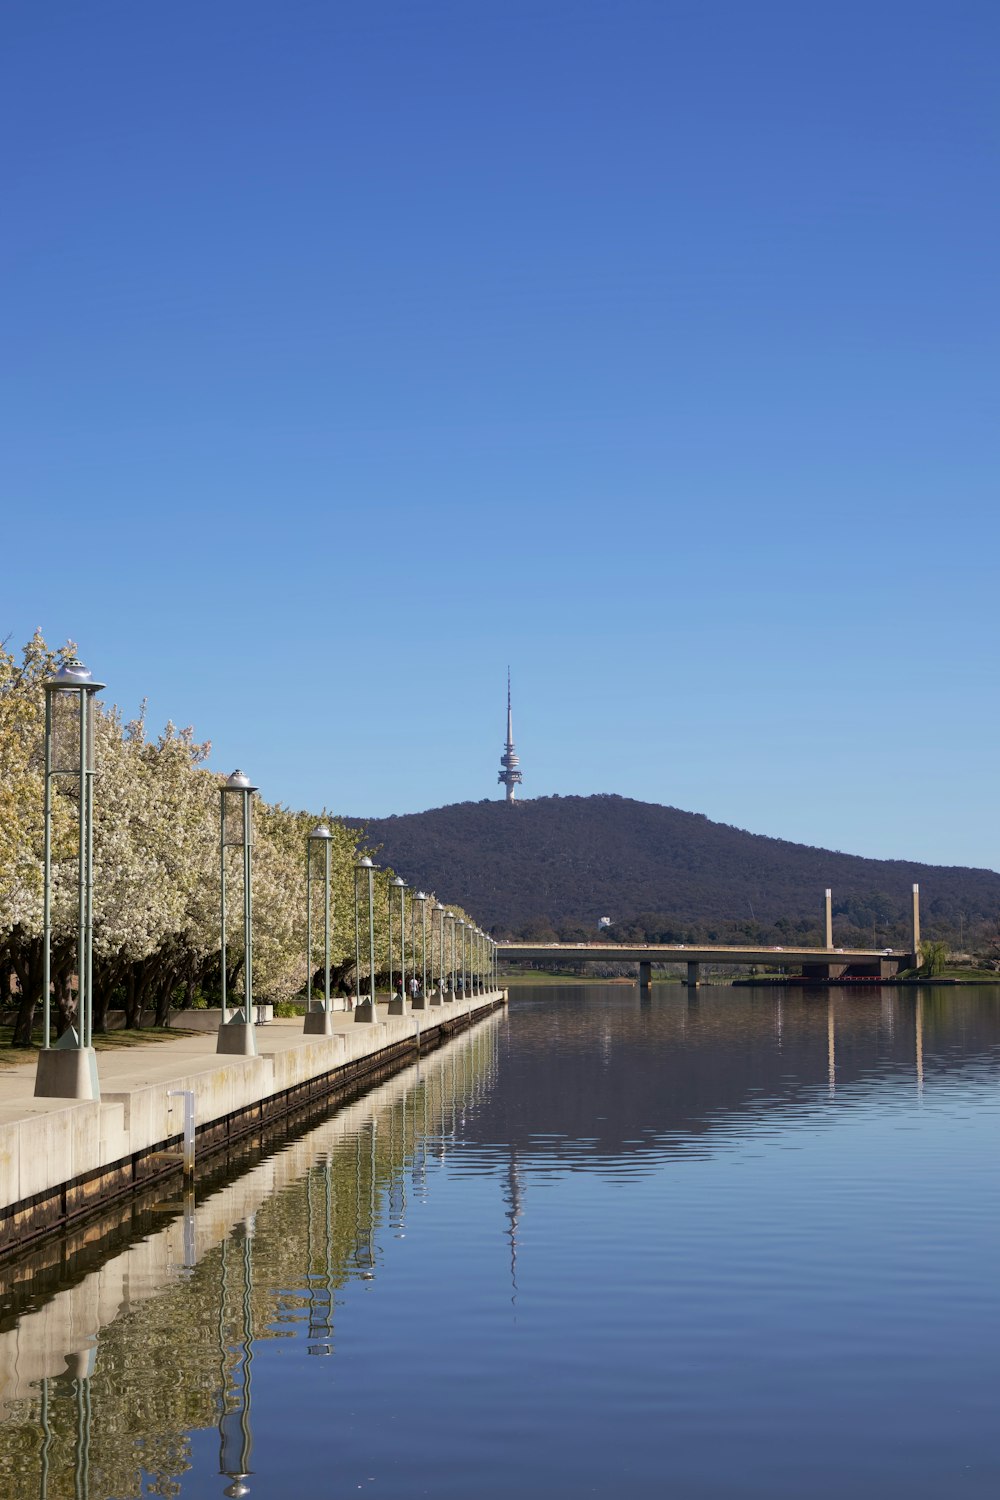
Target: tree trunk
{"points": [[26, 958], [164, 996], [24, 1021], [133, 995], [101, 1007]]}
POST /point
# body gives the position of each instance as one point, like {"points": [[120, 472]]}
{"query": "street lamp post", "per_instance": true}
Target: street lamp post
{"points": [[464, 947], [397, 1007], [453, 967], [438, 995], [69, 1069], [420, 1000], [318, 1019], [364, 1010], [236, 832]]}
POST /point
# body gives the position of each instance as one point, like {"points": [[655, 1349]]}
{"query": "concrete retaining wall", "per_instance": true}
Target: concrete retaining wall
{"points": [[58, 1162]]}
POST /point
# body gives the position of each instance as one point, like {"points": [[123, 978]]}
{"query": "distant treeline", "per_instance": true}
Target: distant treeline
{"points": [[551, 867]]}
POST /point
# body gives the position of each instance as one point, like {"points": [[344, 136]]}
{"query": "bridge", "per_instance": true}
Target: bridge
{"points": [[827, 962], [816, 963]]}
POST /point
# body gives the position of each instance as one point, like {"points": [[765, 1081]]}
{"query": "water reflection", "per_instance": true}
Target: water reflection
{"points": [[109, 1372], [122, 1352]]}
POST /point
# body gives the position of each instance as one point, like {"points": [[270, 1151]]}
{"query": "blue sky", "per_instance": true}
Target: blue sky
{"points": [[354, 350]]}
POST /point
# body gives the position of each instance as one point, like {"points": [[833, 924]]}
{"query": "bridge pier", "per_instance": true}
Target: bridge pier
{"points": [[694, 976], [645, 975], [823, 971]]}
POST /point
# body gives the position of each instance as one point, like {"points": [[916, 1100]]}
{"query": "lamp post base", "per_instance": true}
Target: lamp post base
{"points": [[67, 1071], [397, 1006], [318, 1023], [419, 1002], [364, 1011], [237, 1038]]}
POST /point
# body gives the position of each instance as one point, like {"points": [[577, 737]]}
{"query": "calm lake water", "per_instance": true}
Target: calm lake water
{"points": [[733, 1243]]}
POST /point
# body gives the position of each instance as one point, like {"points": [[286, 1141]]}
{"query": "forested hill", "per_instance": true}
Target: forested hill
{"points": [[555, 865]]}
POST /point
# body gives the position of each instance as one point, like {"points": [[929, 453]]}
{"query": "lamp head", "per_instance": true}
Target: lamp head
{"points": [[73, 674]]}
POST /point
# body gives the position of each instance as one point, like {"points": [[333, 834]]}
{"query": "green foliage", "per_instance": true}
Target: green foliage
{"points": [[933, 959]]}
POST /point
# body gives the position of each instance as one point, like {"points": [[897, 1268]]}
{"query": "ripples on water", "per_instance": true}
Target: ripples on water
{"points": [[742, 1243]]}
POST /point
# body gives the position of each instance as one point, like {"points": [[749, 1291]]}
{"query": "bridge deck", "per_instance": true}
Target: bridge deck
{"points": [[703, 953]]}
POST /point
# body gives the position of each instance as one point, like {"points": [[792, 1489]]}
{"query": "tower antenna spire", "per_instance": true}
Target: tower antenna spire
{"points": [[509, 776]]}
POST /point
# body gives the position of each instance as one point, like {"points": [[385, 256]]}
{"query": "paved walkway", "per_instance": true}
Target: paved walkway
{"points": [[123, 1069]]}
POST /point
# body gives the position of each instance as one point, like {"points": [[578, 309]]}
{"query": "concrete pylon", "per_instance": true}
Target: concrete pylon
{"points": [[829, 917], [238, 1037], [645, 975], [318, 1021], [916, 924], [67, 1070], [694, 976]]}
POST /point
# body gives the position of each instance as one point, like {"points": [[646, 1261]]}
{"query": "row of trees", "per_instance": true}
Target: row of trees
{"points": [[156, 869]]}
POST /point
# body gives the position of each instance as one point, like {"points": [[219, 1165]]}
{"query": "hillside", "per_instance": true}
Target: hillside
{"points": [[557, 864]]}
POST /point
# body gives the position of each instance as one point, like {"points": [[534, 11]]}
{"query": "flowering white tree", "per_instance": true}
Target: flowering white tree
{"points": [[156, 869]]}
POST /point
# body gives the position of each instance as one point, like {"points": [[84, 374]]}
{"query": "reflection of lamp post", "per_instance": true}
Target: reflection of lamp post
{"points": [[69, 1069], [397, 1007], [237, 1036], [420, 1001], [318, 1021], [235, 1465], [365, 1009]]}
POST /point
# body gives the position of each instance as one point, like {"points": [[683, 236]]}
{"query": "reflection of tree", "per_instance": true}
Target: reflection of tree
{"points": [[302, 1248]]}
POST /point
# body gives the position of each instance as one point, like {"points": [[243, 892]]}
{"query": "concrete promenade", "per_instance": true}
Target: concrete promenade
{"points": [[60, 1330], [62, 1158]]}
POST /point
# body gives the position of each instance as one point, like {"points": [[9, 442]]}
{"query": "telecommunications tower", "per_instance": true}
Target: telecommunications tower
{"points": [[510, 776]]}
